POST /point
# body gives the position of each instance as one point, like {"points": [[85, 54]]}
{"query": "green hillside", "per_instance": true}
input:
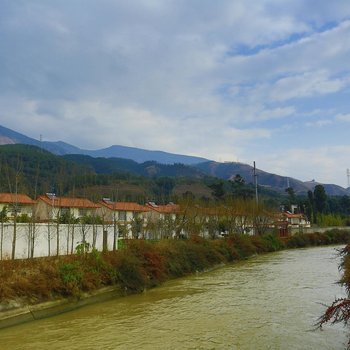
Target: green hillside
{"points": [[120, 165], [31, 170]]}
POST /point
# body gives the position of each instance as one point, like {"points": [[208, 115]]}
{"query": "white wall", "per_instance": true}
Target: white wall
{"points": [[41, 240]]}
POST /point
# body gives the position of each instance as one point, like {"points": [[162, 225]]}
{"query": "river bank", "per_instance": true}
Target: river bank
{"points": [[269, 301], [42, 287]]}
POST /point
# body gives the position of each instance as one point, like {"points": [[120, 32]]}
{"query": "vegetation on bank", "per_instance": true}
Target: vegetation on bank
{"points": [[139, 265], [339, 310]]}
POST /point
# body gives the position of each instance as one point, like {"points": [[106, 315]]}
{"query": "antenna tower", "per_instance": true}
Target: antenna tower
{"points": [[348, 176]]}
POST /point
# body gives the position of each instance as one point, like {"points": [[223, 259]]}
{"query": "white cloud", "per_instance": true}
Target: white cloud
{"points": [[343, 117], [305, 85], [172, 75], [324, 164], [319, 123]]}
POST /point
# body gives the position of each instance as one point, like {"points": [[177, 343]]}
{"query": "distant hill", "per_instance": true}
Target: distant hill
{"points": [[37, 170], [150, 169], [121, 159], [229, 170], [8, 136]]}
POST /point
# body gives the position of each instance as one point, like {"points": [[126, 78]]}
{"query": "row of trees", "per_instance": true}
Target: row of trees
{"points": [[194, 218], [320, 208]]}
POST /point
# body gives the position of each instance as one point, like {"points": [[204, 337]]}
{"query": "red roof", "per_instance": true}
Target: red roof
{"points": [[12, 198], [164, 209], [291, 216], [124, 206], [67, 202]]}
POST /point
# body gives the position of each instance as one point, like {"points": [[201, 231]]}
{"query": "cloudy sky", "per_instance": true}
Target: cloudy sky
{"points": [[234, 80]]}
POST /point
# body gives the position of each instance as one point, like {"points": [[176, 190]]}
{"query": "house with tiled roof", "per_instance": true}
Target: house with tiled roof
{"points": [[123, 212], [162, 211], [288, 223], [296, 220], [16, 204], [50, 206]]}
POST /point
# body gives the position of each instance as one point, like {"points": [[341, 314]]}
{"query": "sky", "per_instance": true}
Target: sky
{"points": [[237, 80]]}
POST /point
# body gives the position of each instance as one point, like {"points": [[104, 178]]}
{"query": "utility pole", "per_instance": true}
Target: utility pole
{"points": [[348, 176], [256, 184]]}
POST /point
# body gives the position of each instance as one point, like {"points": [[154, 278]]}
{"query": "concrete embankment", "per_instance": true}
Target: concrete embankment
{"points": [[12, 314]]}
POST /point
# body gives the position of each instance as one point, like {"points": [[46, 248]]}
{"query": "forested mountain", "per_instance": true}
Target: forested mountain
{"points": [[34, 171], [150, 169], [141, 162], [31, 170], [280, 183]]}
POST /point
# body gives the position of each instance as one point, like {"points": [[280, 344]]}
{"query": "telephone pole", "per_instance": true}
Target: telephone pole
{"points": [[256, 184]]}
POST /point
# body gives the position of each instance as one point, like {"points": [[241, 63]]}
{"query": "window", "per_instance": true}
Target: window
{"points": [[83, 212], [15, 208], [122, 215], [65, 211]]}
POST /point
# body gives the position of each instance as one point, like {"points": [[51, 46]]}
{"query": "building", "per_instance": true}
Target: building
{"points": [[296, 220], [122, 212], [161, 212], [16, 204], [288, 223], [50, 207]]}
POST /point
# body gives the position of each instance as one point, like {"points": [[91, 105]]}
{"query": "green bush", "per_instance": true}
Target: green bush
{"points": [[72, 276]]}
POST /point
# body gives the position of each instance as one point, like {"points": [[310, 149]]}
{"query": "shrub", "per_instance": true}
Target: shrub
{"points": [[72, 276], [131, 276], [243, 245]]}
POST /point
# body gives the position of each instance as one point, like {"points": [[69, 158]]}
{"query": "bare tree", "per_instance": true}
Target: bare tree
{"points": [[3, 219]]}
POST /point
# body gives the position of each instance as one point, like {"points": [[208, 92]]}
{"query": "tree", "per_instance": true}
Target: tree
{"points": [[238, 179], [310, 207], [137, 227], [68, 218], [320, 199], [3, 219], [240, 189], [218, 189], [291, 194], [164, 187]]}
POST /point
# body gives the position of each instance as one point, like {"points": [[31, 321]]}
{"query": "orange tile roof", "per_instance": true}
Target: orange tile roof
{"points": [[67, 202], [164, 209], [18, 198], [124, 206], [290, 215]]}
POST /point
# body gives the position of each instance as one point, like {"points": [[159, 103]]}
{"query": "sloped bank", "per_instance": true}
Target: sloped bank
{"points": [[37, 288]]}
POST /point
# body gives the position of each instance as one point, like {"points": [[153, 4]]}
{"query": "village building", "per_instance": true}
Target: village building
{"points": [[162, 212], [16, 204], [122, 212], [296, 220], [288, 223], [50, 207]]}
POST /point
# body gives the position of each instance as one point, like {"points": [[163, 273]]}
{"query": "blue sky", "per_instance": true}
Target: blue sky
{"points": [[264, 81]]}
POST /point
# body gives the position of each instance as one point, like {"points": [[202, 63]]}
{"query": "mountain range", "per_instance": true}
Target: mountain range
{"points": [[157, 163], [8, 136]]}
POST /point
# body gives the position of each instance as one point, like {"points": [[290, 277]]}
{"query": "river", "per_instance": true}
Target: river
{"points": [[267, 302]]}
